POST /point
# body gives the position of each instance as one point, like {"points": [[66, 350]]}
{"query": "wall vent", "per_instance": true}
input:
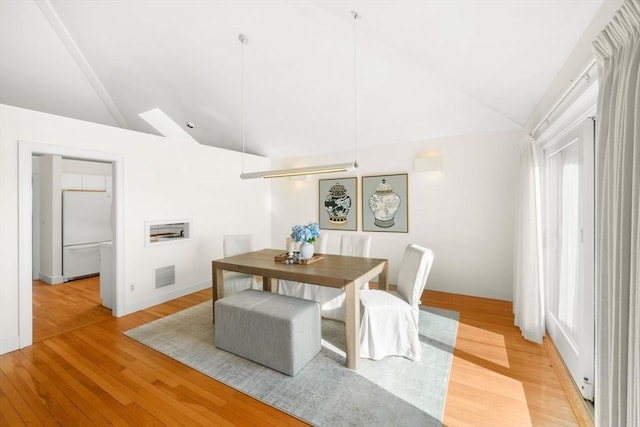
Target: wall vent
{"points": [[165, 276]]}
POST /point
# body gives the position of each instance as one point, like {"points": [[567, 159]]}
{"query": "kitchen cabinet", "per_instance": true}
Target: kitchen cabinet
{"points": [[86, 182]]}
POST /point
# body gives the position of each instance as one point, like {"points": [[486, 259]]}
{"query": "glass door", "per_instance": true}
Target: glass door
{"points": [[569, 249]]}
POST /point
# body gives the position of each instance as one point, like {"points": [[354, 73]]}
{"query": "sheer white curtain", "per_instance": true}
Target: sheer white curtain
{"points": [[617, 386], [570, 240], [528, 296]]}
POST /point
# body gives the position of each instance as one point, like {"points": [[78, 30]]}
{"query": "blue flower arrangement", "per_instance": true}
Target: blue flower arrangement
{"points": [[305, 233]]}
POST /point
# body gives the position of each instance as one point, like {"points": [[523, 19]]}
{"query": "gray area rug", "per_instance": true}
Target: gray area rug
{"points": [[393, 391]]}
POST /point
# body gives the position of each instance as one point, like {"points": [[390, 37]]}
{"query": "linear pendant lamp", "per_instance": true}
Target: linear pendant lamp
{"points": [[310, 170]]}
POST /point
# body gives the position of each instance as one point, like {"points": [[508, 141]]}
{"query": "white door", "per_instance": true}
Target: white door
{"points": [[569, 250]]}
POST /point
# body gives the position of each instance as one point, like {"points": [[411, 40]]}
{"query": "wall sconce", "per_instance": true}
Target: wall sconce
{"points": [[428, 164]]}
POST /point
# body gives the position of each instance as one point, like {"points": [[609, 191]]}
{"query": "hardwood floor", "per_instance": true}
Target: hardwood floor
{"points": [[81, 370], [497, 377]]}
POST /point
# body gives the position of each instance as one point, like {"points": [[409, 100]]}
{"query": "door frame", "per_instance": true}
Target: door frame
{"points": [[580, 364], [582, 108], [26, 150]]}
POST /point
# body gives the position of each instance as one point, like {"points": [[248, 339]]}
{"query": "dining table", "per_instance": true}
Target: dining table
{"points": [[335, 271]]}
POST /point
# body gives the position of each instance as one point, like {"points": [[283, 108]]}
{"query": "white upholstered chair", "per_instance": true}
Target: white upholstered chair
{"points": [[331, 300], [355, 245], [304, 290], [389, 325], [236, 244]]}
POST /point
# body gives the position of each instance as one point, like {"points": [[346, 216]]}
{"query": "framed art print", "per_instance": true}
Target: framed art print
{"points": [[337, 204], [385, 203]]}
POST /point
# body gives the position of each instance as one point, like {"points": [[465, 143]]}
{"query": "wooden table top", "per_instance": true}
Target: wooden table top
{"points": [[333, 270]]}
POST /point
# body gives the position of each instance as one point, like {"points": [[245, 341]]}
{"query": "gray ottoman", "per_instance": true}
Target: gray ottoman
{"points": [[277, 331]]}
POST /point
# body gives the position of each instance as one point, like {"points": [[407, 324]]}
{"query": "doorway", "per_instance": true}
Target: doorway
{"points": [[72, 243], [26, 150], [569, 250]]}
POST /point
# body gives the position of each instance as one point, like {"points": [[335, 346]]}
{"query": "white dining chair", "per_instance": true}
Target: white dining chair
{"points": [[236, 244], [331, 300], [355, 245], [304, 290], [389, 325]]}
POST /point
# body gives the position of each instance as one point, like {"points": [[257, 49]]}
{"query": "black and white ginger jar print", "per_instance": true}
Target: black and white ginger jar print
{"points": [[337, 203]]}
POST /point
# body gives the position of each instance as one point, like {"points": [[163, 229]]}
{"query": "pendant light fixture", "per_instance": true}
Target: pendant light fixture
{"points": [[311, 170]]}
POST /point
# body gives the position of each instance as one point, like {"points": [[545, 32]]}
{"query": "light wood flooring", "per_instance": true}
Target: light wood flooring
{"points": [[81, 370]]}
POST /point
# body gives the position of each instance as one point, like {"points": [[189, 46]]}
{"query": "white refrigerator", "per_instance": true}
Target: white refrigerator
{"points": [[86, 222]]}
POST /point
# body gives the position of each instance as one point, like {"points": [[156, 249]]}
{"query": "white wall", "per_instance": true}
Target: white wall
{"points": [[163, 180], [50, 216], [466, 214]]}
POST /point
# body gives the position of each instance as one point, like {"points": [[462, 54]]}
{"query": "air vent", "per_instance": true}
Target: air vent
{"points": [[165, 276]]}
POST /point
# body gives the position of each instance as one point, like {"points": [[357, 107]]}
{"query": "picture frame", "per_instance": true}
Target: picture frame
{"points": [[338, 204], [385, 203]]}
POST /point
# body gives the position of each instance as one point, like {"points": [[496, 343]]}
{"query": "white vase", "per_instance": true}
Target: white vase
{"points": [[306, 250]]}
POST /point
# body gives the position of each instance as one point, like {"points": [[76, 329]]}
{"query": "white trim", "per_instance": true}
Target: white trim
{"points": [[558, 150], [26, 150], [587, 75], [52, 280], [583, 108], [565, 345], [54, 19]]}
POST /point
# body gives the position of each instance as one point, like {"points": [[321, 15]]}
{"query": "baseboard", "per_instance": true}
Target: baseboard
{"points": [[574, 396], [166, 296], [51, 280]]}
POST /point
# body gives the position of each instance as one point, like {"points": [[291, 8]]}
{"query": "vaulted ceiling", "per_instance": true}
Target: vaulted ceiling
{"points": [[423, 69]]}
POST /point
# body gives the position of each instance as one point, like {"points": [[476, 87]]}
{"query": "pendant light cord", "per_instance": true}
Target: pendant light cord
{"points": [[356, 16], [243, 40]]}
